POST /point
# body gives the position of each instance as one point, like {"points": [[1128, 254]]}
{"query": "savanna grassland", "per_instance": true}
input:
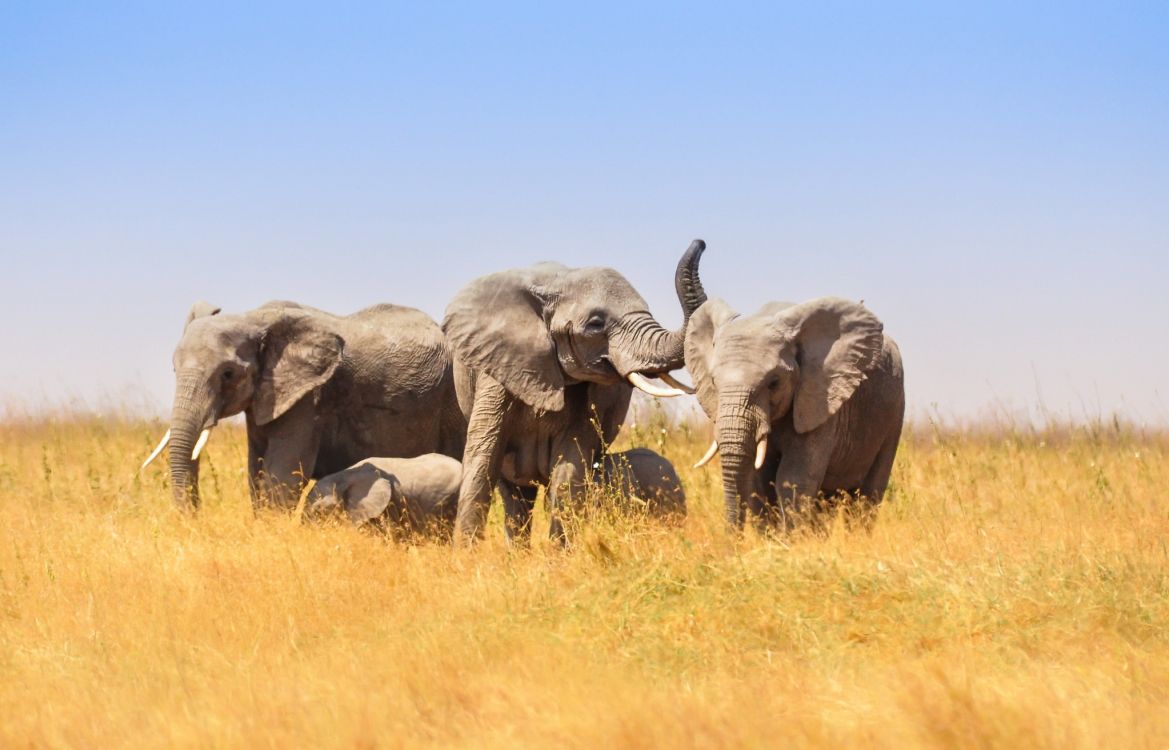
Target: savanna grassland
{"points": [[1014, 593]]}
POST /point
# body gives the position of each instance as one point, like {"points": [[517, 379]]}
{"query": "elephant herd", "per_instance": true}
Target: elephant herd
{"points": [[527, 382]]}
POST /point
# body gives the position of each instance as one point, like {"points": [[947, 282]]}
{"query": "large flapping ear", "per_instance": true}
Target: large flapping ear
{"points": [[298, 355], [362, 507], [700, 332], [838, 343], [498, 324], [200, 309]]}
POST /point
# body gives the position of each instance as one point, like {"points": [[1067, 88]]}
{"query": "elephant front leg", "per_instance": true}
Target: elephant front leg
{"points": [[288, 459], [256, 447], [481, 458], [800, 477], [568, 483]]}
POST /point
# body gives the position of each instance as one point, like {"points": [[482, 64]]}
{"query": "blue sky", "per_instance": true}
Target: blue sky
{"points": [[992, 179]]}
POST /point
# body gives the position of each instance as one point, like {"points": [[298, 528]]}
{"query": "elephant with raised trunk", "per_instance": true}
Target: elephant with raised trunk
{"points": [[807, 399], [319, 392], [546, 358]]}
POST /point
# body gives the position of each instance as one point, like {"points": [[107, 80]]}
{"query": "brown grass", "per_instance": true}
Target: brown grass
{"points": [[1014, 593]]}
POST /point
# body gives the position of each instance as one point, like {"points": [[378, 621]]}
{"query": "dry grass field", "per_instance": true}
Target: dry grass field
{"points": [[1014, 593]]}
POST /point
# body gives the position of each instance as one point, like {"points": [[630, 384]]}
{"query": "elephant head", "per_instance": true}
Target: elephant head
{"points": [[262, 362], [752, 371], [363, 492], [538, 329]]}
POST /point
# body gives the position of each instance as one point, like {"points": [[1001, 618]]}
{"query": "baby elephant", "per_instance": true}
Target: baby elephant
{"points": [[645, 480], [411, 495]]}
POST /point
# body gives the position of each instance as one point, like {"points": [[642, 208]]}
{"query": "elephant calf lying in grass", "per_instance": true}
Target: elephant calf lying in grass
{"points": [[419, 496], [409, 495], [646, 482]]}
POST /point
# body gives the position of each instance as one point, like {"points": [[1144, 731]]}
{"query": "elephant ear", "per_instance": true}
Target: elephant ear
{"points": [[200, 309], [497, 325], [838, 343], [372, 504], [298, 355], [700, 332]]}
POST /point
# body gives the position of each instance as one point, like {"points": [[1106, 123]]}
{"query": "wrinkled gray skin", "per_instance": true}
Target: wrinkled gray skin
{"points": [[409, 496], [819, 382], [319, 392], [541, 360], [646, 481]]}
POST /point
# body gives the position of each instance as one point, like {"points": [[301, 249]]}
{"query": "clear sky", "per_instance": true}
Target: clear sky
{"points": [[991, 178]]}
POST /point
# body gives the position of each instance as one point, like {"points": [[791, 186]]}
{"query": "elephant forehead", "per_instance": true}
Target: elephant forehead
{"points": [[748, 332], [210, 337], [601, 287]]}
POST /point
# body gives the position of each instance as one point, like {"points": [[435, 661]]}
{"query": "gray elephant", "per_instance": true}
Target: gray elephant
{"points": [[646, 482], [410, 496], [319, 392], [545, 358], [807, 400]]}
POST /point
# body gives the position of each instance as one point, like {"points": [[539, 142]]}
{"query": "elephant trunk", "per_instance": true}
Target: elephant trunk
{"points": [[641, 344], [741, 424], [687, 283], [191, 413]]}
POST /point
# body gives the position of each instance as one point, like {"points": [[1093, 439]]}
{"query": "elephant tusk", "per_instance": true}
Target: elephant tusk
{"points": [[713, 449], [200, 443], [669, 379], [154, 454], [642, 382], [760, 452]]}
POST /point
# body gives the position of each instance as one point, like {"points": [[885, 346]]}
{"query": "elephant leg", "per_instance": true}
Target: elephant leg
{"points": [[290, 457], [257, 445], [800, 475], [872, 490], [765, 504], [482, 458], [757, 507], [566, 489], [518, 502], [574, 456]]}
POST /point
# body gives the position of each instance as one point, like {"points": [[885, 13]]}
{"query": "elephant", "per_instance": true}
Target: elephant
{"points": [[644, 480], [814, 391], [318, 391], [545, 360], [412, 496]]}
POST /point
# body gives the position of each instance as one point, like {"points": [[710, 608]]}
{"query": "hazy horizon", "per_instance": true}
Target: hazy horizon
{"points": [[992, 181]]}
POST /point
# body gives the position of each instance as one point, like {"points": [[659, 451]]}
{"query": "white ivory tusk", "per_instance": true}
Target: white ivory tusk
{"points": [[760, 452], [669, 379], [200, 443], [642, 382], [154, 454], [713, 449]]}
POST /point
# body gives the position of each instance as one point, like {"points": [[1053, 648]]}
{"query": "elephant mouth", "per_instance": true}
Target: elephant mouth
{"points": [[603, 365], [599, 369], [602, 369]]}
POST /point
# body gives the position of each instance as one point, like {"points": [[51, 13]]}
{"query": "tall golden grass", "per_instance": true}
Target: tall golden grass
{"points": [[1013, 593]]}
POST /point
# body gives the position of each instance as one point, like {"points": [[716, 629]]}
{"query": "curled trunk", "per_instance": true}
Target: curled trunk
{"points": [[686, 281], [643, 345]]}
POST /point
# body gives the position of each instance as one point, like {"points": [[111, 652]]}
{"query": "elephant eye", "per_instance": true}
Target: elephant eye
{"points": [[228, 374], [596, 323]]}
